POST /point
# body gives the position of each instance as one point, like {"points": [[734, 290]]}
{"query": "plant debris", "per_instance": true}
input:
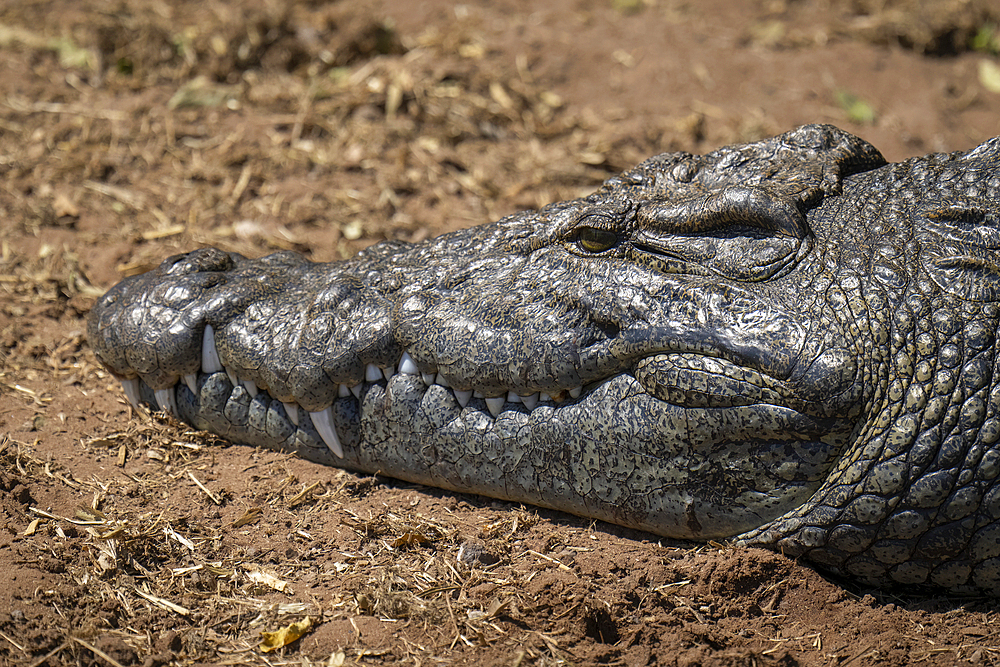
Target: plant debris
{"points": [[135, 131]]}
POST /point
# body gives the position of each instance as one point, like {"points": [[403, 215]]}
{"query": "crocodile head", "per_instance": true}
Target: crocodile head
{"points": [[707, 346]]}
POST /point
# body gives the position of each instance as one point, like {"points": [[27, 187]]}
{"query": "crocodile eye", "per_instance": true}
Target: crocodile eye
{"points": [[596, 240]]}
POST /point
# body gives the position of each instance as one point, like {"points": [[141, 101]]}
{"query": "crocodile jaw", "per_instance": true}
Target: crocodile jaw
{"points": [[682, 475]]}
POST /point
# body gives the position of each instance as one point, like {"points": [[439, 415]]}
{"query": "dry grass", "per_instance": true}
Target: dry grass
{"points": [[130, 134], [162, 570]]}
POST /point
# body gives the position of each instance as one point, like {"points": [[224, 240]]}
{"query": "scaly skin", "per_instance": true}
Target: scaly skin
{"points": [[789, 342]]}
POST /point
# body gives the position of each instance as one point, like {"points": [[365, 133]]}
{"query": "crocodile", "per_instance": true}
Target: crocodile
{"points": [[787, 343]]}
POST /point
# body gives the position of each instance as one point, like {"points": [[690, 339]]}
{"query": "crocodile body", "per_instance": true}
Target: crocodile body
{"points": [[790, 343]]}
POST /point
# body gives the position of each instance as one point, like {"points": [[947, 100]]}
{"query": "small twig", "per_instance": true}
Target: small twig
{"points": [[303, 495], [136, 201], [171, 533], [454, 623], [162, 603], [62, 478], [550, 559], [241, 184], [7, 637], [96, 651], [201, 486], [77, 522], [863, 653], [42, 660], [57, 108], [163, 232]]}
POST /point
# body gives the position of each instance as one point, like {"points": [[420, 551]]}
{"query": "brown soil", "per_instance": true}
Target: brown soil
{"points": [[131, 131]]}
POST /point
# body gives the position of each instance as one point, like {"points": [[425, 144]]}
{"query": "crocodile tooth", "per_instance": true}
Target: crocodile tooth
{"points": [[495, 405], [166, 400], [131, 388], [440, 379], [477, 394], [210, 362], [372, 373], [513, 398], [428, 378], [191, 380], [463, 396], [544, 398], [292, 410], [356, 390], [251, 387], [407, 366], [575, 392], [232, 376], [530, 401], [343, 391], [388, 372], [323, 421]]}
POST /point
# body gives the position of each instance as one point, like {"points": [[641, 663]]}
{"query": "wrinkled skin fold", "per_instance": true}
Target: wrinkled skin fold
{"points": [[790, 343]]}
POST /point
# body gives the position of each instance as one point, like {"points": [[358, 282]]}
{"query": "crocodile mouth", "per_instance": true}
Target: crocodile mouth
{"points": [[683, 379], [722, 462], [170, 399]]}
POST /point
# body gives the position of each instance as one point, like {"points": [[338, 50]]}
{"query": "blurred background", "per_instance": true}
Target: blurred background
{"points": [[134, 130], [145, 127]]}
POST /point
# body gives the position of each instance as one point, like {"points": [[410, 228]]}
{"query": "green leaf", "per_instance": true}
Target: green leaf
{"points": [[989, 75], [858, 110]]}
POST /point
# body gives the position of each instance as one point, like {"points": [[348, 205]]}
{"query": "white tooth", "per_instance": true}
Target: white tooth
{"points": [[440, 379], [343, 391], [477, 394], [372, 373], [530, 401], [251, 387], [463, 397], [191, 380], [495, 405], [356, 390], [513, 398], [292, 410], [428, 378], [323, 421], [575, 392], [232, 376], [210, 362], [407, 366], [131, 388], [544, 398], [166, 400]]}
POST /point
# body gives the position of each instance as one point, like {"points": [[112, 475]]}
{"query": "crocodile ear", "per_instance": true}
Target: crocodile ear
{"points": [[960, 248], [804, 165], [829, 155]]}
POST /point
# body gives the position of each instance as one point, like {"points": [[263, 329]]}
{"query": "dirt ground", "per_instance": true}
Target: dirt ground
{"points": [[134, 130]]}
